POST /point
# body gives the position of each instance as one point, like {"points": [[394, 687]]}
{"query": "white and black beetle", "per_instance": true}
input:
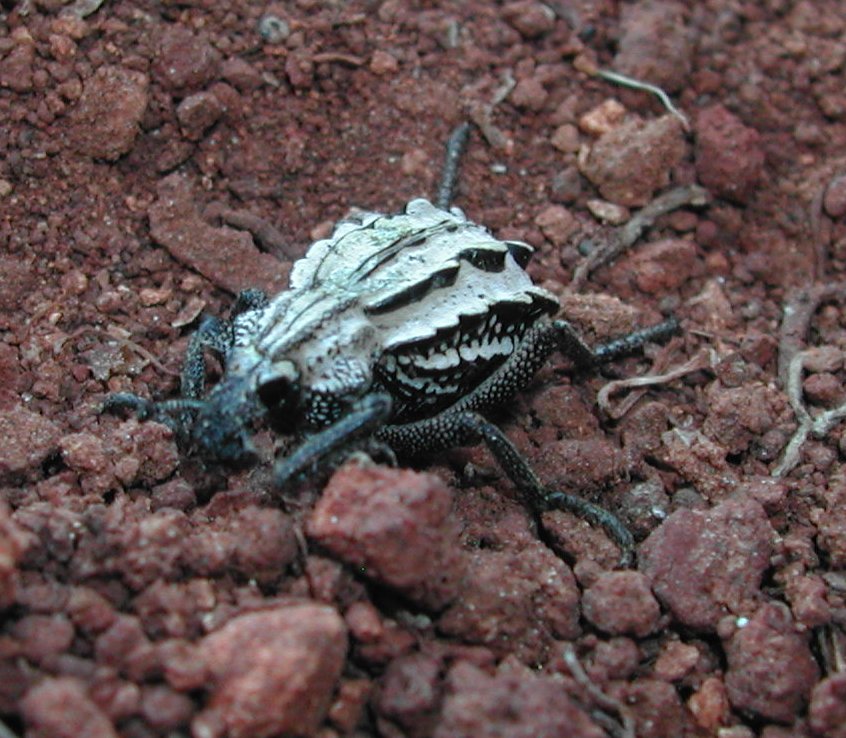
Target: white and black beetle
{"points": [[400, 328]]}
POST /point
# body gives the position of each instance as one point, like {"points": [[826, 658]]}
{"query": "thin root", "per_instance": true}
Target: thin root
{"points": [[635, 84], [267, 235], [818, 426], [83, 8], [482, 114], [831, 642], [798, 312], [703, 360], [337, 57], [624, 237], [625, 728]]}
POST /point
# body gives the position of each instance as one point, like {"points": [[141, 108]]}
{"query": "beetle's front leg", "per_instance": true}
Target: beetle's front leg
{"points": [[451, 429], [366, 415]]}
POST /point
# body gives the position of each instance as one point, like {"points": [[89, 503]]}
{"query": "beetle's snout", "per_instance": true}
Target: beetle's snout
{"points": [[223, 437]]}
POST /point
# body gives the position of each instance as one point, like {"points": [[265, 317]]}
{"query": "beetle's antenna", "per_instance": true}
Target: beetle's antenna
{"points": [[454, 149]]}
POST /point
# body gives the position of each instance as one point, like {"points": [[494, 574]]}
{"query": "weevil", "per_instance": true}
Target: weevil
{"points": [[402, 328]]}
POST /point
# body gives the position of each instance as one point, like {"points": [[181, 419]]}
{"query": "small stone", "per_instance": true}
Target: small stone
{"points": [[634, 159], [738, 416], [531, 19], [656, 705], [397, 527], [364, 622], [41, 636], [14, 542], [770, 667], [710, 706], [185, 62], [383, 63], [241, 74], [62, 48], [729, 155], [655, 45], [299, 67], [164, 709], [149, 296], [197, 113], [28, 439], [349, 705], [274, 671], [566, 138], [273, 29], [107, 118], [514, 702], [823, 389], [566, 185], [16, 68], [827, 711], [529, 93], [84, 452], [182, 668], [807, 596], [834, 200], [603, 118], [410, 691], [676, 661], [60, 708], [661, 266], [70, 24], [823, 359], [557, 223], [608, 212], [621, 603], [704, 564], [515, 602]]}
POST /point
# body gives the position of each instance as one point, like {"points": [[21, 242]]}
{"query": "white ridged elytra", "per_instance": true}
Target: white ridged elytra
{"points": [[415, 304]]}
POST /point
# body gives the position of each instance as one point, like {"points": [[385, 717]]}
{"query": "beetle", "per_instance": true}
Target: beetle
{"points": [[402, 328]]}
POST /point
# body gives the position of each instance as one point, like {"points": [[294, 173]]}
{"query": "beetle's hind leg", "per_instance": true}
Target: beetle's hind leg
{"points": [[466, 428], [461, 424]]}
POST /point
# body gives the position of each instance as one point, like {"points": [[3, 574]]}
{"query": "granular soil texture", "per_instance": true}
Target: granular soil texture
{"points": [[158, 157]]}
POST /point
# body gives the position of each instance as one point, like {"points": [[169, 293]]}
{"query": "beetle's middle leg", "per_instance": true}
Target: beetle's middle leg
{"points": [[451, 429]]}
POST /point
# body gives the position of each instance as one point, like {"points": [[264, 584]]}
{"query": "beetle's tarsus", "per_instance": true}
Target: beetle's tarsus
{"points": [[595, 515], [636, 340], [120, 401]]}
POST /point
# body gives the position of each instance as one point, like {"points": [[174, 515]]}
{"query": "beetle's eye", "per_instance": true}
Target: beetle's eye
{"points": [[278, 392], [280, 386]]}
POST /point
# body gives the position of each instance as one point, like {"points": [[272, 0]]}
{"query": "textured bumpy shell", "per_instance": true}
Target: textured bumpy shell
{"points": [[423, 304]]}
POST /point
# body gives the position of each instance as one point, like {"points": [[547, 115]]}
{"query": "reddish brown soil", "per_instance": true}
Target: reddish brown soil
{"points": [[159, 156]]}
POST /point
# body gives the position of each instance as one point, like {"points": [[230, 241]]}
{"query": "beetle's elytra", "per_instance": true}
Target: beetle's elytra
{"points": [[398, 327]]}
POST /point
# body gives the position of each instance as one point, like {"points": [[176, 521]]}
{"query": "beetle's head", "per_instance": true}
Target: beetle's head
{"points": [[222, 425]]}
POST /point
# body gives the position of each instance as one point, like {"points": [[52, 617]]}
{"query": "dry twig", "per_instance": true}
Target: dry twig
{"points": [[636, 84], [705, 358], [817, 426], [268, 236], [626, 727], [625, 236]]}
